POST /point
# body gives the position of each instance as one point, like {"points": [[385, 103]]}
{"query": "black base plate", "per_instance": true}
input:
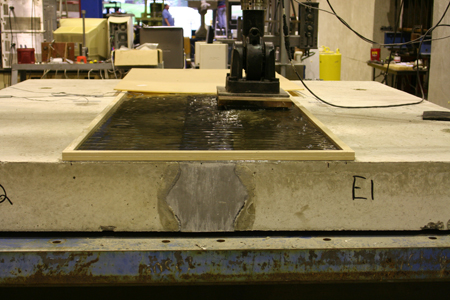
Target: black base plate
{"points": [[282, 96]]}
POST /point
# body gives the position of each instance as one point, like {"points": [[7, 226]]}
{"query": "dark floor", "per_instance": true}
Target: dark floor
{"points": [[406, 290]]}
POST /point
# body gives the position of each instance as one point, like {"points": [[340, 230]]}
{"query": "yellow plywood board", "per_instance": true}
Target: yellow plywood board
{"points": [[179, 81], [138, 57], [398, 67]]}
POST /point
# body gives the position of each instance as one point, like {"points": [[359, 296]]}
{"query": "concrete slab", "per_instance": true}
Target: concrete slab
{"points": [[39, 121], [395, 134], [399, 180]]}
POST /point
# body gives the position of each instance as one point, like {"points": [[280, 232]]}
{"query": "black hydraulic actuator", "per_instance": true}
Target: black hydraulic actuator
{"points": [[253, 55]]}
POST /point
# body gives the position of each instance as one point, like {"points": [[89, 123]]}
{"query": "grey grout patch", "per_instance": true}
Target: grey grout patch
{"points": [[207, 197], [169, 220], [246, 217]]}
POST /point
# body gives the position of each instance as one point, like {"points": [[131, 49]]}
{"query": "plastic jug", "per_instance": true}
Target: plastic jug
{"points": [[330, 64]]}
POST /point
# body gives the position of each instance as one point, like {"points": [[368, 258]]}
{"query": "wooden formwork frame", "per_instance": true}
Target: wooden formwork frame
{"points": [[71, 153]]}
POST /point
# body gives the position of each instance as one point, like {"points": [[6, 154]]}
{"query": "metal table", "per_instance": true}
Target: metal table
{"points": [[396, 73], [21, 68]]}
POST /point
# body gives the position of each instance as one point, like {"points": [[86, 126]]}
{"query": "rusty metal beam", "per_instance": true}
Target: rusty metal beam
{"points": [[153, 261]]}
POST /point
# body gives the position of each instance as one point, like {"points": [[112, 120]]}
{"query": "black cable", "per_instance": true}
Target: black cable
{"points": [[274, 17], [336, 105], [417, 40], [293, 9], [380, 106], [441, 38], [31, 23], [313, 7], [33, 29], [420, 46], [438, 24], [349, 27], [308, 55], [443, 15], [353, 107], [295, 14], [286, 32], [64, 94], [12, 46], [17, 27], [397, 20]]}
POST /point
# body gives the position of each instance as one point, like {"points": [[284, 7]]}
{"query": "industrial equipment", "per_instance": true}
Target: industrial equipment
{"points": [[202, 7], [254, 55], [120, 32], [58, 50], [96, 36], [307, 27], [21, 26], [170, 41], [154, 17]]}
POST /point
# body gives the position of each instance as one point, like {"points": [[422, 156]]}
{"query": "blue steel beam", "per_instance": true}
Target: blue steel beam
{"points": [[93, 8], [93, 261]]}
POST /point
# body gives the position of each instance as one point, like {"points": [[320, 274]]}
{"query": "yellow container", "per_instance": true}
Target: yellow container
{"points": [[330, 64]]}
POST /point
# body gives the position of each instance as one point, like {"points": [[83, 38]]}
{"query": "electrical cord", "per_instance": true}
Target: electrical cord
{"points": [[286, 32], [45, 73], [308, 55], [326, 102], [397, 20], [40, 99], [420, 46], [33, 30], [13, 45], [112, 62], [350, 107], [313, 7], [348, 26], [293, 10], [438, 24], [31, 23], [64, 94], [441, 38], [374, 106], [418, 52], [274, 18], [46, 100], [415, 41]]}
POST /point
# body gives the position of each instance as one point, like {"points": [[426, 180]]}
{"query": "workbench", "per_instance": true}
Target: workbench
{"points": [[402, 73], [382, 217], [19, 69]]}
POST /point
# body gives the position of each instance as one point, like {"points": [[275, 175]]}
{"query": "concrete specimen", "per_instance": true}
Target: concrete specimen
{"points": [[399, 180]]}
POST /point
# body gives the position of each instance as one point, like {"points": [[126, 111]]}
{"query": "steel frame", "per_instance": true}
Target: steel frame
{"points": [[222, 260]]}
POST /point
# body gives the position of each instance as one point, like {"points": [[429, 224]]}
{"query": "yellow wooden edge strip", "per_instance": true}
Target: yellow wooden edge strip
{"points": [[191, 155], [339, 143], [96, 122]]}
